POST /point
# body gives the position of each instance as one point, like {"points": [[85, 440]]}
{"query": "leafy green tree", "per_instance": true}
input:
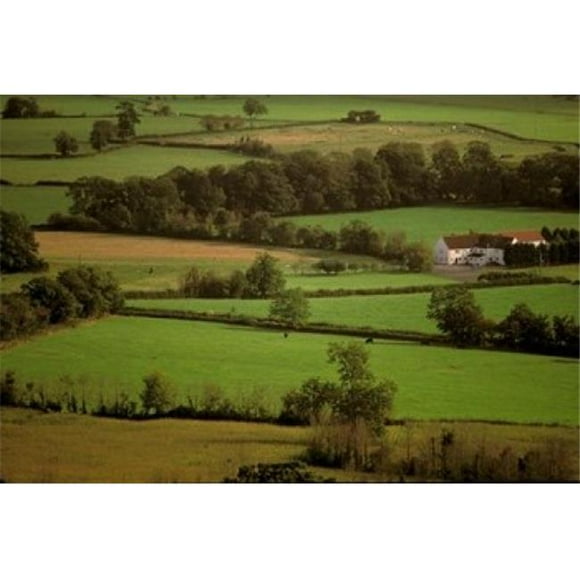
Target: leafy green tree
{"points": [[457, 315], [522, 329], [290, 306], [191, 282], [96, 291], [158, 394], [18, 248], [358, 237], [407, 170], [265, 278], [127, 118], [237, 284], [20, 108], [102, 133], [66, 144], [482, 173], [418, 257], [254, 108], [18, 317], [52, 296], [330, 266], [311, 404], [447, 169]]}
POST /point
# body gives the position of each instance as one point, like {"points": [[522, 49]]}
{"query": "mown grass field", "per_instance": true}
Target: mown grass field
{"points": [[399, 311], [346, 137], [114, 354], [35, 203], [48, 448], [139, 160], [430, 222]]}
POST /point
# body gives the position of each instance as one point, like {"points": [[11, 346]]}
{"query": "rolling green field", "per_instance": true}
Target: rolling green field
{"points": [[399, 311], [536, 117], [363, 280], [36, 203], [431, 222], [434, 382], [134, 160], [35, 136], [346, 137]]}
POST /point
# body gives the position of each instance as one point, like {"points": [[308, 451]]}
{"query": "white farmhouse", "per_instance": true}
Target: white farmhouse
{"points": [[481, 249]]}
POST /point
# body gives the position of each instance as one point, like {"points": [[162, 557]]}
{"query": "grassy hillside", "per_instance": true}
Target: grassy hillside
{"points": [[402, 311], [135, 160], [36, 203], [434, 382], [429, 223]]}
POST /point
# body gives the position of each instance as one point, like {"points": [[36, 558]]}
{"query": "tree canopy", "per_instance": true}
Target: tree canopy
{"points": [[18, 248], [290, 306]]}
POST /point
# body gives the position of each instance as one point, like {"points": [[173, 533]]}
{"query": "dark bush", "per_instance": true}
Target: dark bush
{"points": [[293, 472]]}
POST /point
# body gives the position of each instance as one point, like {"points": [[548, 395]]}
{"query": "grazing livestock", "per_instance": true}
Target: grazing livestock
{"points": [[369, 341], [285, 335]]}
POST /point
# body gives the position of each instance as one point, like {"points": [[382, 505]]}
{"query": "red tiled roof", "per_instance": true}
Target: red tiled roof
{"points": [[525, 236], [459, 242]]}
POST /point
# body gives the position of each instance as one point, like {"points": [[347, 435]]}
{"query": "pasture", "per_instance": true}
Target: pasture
{"points": [[434, 382], [345, 137], [117, 164], [534, 117], [430, 222], [36, 203], [151, 263], [398, 311], [49, 448], [36, 136]]}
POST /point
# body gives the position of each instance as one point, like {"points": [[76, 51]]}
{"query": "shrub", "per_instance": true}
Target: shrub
{"points": [[293, 472], [157, 394]]}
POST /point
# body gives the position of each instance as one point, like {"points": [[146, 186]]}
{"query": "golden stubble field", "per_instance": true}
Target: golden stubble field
{"points": [[97, 246]]}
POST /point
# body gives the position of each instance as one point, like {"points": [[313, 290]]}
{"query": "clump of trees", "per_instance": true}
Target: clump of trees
{"points": [[221, 122], [458, 315], [293, 472], [24, 108], [81, 292], [66, 144], [460, 318], [127, 118], [263, 279], [290, 306], [349, 414], [102, 133], [367, 116], [253, 147], [254, 108], [18, 247]]}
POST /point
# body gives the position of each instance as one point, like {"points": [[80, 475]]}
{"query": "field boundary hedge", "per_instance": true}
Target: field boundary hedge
{"points": [[386, 291], [317, 328]]}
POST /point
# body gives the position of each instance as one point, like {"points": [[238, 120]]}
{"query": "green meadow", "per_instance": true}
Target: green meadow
{"points": [[434, 382], [430, 222], [535, 117], [36, 136], [398, 311], [124, 162], [35, 203]]}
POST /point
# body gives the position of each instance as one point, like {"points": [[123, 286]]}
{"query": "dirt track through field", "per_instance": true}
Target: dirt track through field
{"points": [[118, 247]]}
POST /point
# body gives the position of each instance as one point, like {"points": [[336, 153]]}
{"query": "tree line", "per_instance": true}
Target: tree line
{"points": [[563, 247], [461, 319], [81, 292]]}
